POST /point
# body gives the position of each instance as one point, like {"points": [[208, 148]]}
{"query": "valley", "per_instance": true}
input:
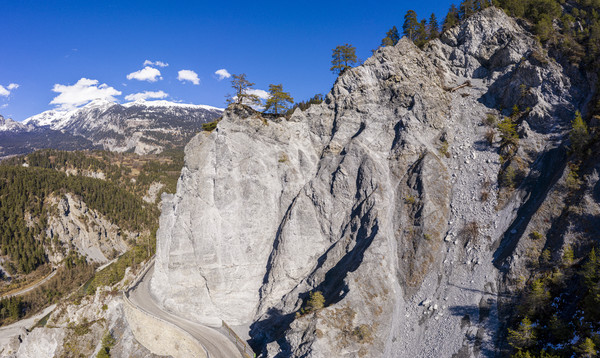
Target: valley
{"points": [[441, 200]]}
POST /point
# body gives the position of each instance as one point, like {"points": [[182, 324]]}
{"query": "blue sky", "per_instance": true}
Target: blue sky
{"points": [[66, 51]]}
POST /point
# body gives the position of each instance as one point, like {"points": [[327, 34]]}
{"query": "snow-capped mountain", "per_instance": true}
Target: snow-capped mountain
{"points": [[8, 125], [140, 126]]}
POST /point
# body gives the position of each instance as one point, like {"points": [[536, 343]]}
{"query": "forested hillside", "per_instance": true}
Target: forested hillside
{"points": [[110, 184]]}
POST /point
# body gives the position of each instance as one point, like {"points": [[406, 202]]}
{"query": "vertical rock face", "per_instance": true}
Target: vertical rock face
{"points": [[372, 198]]}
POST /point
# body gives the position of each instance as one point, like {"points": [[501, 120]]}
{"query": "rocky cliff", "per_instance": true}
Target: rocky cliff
{"points": [[73, 226], [385, 198]]}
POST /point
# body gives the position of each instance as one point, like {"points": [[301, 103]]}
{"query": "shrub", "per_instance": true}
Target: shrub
{"points": [[507, 178], [536, 235], [486, 186], [409, 199], [444, 149], [485, 195], [490, 120], [107, 342], [546, 257], [103, 353], [210, 126], [363, 333], [315, 302], [508, 132], [490, 136], [470, 231], [573, 183]]}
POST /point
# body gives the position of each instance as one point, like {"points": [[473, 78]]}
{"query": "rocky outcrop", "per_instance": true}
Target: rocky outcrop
{"points": [[74, 226], [374, 198], [78, 329], [153, 191]]}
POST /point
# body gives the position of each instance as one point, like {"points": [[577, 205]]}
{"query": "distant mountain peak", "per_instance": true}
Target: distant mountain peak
{"points": [[8, 125], [164, 103], [143, 126]]}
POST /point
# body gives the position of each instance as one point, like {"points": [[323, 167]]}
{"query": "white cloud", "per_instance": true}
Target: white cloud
{"points": [[222, 73], [145, 95], [155, 63], [5, 91], [82, 92], [258, 92], [148, 73], [261, 94], [188, 75]]}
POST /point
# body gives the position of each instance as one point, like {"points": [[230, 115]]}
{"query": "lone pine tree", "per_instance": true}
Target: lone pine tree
{"points": [[277, 99], [343, 58], [241, 86]]}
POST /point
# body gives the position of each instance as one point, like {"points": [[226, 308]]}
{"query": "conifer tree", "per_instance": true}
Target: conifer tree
{"points": [[481, 4], [586, 349], [591, 268], [411, 25], [538, 296], [433, 28], [579, 134], [451, 19], [343, 58], [241, 86], [391, 38], [421, 38], [508, 132], [316, 301], [467, 8], [524, 336], [277, 99]]}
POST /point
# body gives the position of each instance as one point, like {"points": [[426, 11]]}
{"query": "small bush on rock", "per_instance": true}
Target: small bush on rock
{"points": [[316, 301]]}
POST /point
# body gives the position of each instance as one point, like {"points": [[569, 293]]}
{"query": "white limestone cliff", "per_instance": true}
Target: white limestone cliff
{"points": [[360, 199]]}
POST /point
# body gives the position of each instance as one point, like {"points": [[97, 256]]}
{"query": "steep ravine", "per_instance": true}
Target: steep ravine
{"points": [[375, 199]]}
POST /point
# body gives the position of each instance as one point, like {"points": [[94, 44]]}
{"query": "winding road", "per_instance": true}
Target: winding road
{"points": [[215, 343], [30, 288]]}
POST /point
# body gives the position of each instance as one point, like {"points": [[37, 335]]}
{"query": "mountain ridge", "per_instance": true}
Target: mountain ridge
{"points": [[142, 127], [57, 119]]}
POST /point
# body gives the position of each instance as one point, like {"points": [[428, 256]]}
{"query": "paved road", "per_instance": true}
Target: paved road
{"points": [[217, 345], [25, 290], [15, 329], [108, 263]]}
